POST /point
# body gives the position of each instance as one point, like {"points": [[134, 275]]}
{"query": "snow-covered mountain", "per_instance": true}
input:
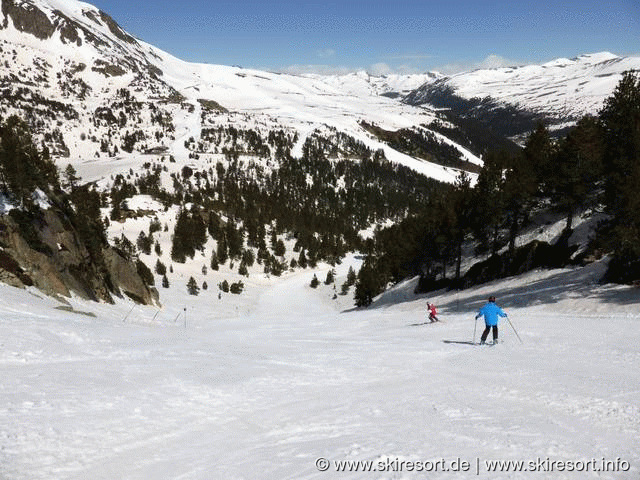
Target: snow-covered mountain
{"points": [[88, 87], [85, 84], [560, 91]]}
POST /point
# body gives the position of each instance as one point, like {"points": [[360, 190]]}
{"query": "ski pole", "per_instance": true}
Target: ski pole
{"points": [[514, 330], [474, 330]]}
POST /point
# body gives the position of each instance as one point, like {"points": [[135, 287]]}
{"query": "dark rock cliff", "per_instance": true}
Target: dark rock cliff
{"points": [[44, 250]]}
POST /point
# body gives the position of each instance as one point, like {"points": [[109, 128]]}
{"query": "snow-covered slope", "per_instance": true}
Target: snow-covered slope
{"points": [[88, 87], [562, 90], [265, 384], [67, 65], [265, 388]]}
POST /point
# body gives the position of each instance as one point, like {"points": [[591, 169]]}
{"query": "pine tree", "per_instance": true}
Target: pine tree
{"points": [[165, 282], [222, 251], [538, 155], [235, 240], [489, 201], [314, 281], [144, 243], [462, 204], [181, 245], [351, 277], [213, 227], [192, 286], [22, 167], [145, 273], [88, 221], [214, 261], [236, 288], [243, 269], [520, 189], [621, 121], [248, 258], [302, 259], [70, 177], [189, 235], [367, 286], [578, 168], [160, 268], [280, 249], [330, 277], [620, 118]]}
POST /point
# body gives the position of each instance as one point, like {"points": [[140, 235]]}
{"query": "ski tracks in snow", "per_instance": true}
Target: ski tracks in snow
{"points": [[263, 395]]}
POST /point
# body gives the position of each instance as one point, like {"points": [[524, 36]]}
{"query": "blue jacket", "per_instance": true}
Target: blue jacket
{"points": [[490, 312]]}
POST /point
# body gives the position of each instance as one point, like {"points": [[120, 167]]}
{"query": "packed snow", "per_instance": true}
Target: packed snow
{"points": [[269, 383]]}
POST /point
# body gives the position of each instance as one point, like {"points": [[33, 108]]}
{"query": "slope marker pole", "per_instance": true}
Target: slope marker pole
{"points": [[127, 315]]}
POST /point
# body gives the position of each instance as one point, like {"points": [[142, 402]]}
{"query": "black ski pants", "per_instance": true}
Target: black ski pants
{"points": [[485, 334]]}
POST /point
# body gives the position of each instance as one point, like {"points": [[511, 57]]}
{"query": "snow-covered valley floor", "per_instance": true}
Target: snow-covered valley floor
{"points": [[295, 376]]}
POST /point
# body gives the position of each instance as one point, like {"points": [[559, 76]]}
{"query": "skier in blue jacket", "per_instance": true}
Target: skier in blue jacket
{"points": [[490, 312]]}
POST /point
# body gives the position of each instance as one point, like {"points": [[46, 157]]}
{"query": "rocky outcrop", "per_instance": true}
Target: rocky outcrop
{"points": [[124, 274], [45, 251], [27, 18], [121, 52]]}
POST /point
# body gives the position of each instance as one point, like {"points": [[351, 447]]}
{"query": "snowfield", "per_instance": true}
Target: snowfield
{"points": [[558, 88], [262, 385]]}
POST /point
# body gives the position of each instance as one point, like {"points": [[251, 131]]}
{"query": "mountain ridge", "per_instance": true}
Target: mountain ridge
{"points": [[96, 58], [558, 92]]}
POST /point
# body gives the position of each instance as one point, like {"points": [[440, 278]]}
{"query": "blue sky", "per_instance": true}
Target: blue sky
{"points": [[380, 36]]}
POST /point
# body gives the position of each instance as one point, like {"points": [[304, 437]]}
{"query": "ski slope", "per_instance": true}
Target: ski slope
{"points": [[262, 385]]}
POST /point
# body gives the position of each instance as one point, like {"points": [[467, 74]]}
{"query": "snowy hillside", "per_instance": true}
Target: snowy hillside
{"points": [[68, 77], [267, 387], [562, 90]]}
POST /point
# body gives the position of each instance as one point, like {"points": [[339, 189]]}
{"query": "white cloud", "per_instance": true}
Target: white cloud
{"points": [[379, 69], [375, 70], [326, 53], [316, 69], [491, 61], [496, 61]]}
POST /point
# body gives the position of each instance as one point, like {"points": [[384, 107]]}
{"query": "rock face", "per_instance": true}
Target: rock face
{"points": [[46, 252], [43, 20], [125, 276]]}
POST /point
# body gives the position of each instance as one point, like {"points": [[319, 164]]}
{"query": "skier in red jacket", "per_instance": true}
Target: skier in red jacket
{"points": [[431, 309]]}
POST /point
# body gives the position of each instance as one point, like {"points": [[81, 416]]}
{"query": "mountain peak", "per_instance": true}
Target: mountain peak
{"points": [[598, 57], [75, 22]]}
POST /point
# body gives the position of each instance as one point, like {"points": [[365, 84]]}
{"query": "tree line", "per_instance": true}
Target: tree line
{"points": [[595, 165]]}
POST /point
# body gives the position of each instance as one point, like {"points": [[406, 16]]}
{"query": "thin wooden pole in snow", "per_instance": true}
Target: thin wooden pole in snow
{"points": [[127, 315]]}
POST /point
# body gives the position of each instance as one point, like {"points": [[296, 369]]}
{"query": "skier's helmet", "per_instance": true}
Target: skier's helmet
{"points": [[492, 298]]}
